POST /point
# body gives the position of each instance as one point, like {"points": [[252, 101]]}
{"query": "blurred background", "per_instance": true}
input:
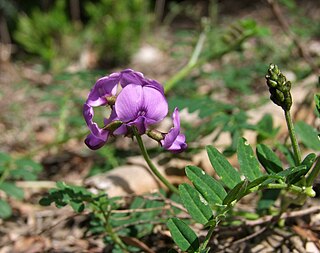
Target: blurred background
{"points": [[211, 56]]}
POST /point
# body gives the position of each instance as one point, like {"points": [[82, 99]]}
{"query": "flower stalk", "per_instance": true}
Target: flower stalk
{"points": [[279, 89], [151, 165], [295, 145]]}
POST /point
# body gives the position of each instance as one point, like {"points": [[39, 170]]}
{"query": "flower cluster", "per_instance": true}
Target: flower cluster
{"points": [[135, 102]]}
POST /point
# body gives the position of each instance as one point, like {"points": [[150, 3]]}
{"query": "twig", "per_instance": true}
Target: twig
{"points": [[266, 219], [286, 29]]}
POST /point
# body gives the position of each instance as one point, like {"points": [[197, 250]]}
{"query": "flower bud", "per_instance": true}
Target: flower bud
{"points": [[279, 87]]}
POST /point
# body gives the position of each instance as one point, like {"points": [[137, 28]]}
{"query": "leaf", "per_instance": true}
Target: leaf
{"points": [[12, 190], [249, 164], [196, 205], [308, 135], [265, 128], [182, 235], [23, 174], [210, 189], [287, 153], [293, 174], [268, 159], [77, 206], [228, 175], [309, 160], [236, 193], [317, 101], [5, 209]]}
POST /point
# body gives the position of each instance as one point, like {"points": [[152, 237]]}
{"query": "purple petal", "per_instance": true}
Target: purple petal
{"points": [[93, 142], [154, 104], [140, 123], [174, 141], [104, 87], [154, 84], [128, 76], [129, 102], [94, 128]]}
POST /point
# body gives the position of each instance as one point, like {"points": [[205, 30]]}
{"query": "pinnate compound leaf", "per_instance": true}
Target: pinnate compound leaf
{"points": [[268, 159], [308, 135], [249, 164], [210, 189], [12, 190], [195, 203], [183, 235], [228, 175], [5, 209]]}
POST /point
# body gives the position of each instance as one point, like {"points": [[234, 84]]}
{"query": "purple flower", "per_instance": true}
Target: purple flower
{"points": [[141, 106], [134, 101], [174, 140]]}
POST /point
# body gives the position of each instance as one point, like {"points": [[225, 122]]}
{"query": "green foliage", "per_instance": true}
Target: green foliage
{"points": [[183, 236], [113, 30], [43, 33], [195, 203], [228, 175], [12, 169], [136, 220], [210, 189], [115, 27], [268, 159], [308, 135], [249, 165], [214, 115], [5, 209], [208, 202], [265, 129]]}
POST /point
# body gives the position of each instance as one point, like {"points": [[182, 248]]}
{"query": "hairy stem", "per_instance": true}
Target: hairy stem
{"points": [[152, 167], [294, 142]]}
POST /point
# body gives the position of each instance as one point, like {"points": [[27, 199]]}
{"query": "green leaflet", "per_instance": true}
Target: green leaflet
{"points": [[228, 175], [308, 135], [196, 205], [268, 159], [12, 190], [5, 209], [182, 235], [249, 164], [236, 193], [210, 189]]}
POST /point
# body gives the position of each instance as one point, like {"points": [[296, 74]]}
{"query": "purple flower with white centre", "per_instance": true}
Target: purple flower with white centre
{"points": [[174, 141], [141, 106]]}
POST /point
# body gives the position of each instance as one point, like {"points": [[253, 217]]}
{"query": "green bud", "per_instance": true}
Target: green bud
{"points": [[114, 125], [156, 135], [310, 192], [279, 87]]}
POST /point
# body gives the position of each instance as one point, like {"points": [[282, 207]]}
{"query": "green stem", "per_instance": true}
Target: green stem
{"points": [[191, 64], [152, 167], [207, 239], [294, 142], [108, 228], [314, 173]]}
